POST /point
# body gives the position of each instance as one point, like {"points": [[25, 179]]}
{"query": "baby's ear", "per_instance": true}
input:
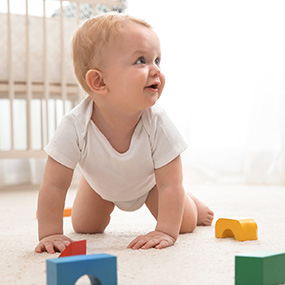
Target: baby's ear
{"points": [[95, 81]]}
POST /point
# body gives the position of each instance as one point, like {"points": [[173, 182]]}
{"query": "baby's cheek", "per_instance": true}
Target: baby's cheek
{"points": [[161, 89], [162, 81]]}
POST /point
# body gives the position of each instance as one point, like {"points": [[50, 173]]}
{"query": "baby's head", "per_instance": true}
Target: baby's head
{"points": [[92, 37]]}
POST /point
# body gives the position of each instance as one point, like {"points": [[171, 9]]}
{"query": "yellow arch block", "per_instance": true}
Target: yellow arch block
{"points": [[242, 229]]}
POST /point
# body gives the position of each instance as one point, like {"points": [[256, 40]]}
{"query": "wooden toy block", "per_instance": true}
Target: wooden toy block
{"points": [[100, 268], [75, 248], [260, 268], [66, 212], [242, 229]]}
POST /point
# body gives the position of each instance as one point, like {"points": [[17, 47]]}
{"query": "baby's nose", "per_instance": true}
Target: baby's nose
{"points": [[155, 70]]}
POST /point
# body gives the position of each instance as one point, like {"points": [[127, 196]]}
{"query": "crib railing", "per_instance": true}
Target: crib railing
{"points": [[32, 107]]}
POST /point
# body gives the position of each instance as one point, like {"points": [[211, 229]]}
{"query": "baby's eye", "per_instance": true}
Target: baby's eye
{"points": [[141, 60], [157, 61]]}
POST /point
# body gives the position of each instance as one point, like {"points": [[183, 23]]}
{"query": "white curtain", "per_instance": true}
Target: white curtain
{"points": [[224, 63], [225, 73]]}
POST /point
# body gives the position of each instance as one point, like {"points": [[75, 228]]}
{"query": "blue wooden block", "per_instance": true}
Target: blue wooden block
{"points": [[100, 268]]}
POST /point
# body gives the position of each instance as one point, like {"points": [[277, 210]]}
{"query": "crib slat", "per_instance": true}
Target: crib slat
{"points": [[22, 154], [46, 80], [11, 72], [78, 19], [62, 53], [55, 114], [29, 82], [27, 89]]}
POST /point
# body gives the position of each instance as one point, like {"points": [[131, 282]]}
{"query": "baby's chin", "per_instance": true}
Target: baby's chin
{"points": [[155, 100]]}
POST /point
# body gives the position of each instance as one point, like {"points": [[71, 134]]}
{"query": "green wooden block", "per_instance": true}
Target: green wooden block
{"points": [[260, 268]]}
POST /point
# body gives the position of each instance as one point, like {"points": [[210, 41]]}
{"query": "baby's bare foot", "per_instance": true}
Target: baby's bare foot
{"points": [[205, 214]]}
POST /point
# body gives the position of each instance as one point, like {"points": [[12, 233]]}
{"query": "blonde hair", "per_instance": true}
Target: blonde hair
{"points": [[91, 38]]}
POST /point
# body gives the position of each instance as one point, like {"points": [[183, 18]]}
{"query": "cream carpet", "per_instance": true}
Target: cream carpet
{"points": [[197, 258]]}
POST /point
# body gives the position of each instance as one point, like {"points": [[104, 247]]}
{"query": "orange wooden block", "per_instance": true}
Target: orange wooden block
{"points": [[75, 248], [67, 212]]}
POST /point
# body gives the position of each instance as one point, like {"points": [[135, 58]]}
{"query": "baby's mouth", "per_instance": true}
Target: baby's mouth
{"points": [[153, 86]]}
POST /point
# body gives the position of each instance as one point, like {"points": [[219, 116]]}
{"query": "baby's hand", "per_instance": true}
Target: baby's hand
{"points": [[53, 243], [154, 239]]}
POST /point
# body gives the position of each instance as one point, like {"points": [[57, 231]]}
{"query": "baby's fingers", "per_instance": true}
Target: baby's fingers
{"points": [[139, 244], [52, 247], [163, 244], [49, 247], [131, 244], [40, 248], [135, 241], [61, 245], [151, 243]]}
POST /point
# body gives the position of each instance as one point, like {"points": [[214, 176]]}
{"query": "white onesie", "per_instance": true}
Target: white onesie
{"points": [[123, 178]]}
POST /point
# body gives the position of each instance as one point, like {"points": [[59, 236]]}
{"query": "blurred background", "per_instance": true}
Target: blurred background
{"points": [[225, 82]]}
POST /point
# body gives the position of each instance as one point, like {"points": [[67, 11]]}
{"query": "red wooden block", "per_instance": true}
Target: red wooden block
{"points": [[75, 248]]}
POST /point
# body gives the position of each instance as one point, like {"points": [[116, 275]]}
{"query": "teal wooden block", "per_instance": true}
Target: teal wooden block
{"points": [[260, 268], [100, 268]]}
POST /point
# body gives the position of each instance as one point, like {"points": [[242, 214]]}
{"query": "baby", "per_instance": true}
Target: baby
{"points": [[128, 151]]}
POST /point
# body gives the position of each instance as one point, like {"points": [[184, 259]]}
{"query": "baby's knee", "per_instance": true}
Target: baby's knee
{"points": [[98, 229], [190, 217], [89, 227]]}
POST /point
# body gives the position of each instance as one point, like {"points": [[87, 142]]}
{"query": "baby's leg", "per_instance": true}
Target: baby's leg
{"points": [[90, 213], [190, 215], [195, 212], [205, 214]]}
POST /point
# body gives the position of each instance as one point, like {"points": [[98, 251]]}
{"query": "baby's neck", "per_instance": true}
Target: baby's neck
{"points": [[116, 127]]}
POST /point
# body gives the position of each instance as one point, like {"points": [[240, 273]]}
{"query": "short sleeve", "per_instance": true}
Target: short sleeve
{"points": [[64, 145], [166, 141]]}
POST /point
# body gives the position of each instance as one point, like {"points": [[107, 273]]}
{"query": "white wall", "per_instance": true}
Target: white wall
{"points": [[224, 66]]}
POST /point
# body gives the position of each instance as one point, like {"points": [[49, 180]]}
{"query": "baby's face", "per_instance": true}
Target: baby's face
{"points": [[131, 68]]}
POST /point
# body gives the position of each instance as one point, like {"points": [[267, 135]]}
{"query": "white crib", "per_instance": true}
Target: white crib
{"points": [[37, 85]]}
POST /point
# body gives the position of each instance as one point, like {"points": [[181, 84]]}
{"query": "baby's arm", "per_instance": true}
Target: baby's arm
{"points": [[171, 197], [56, 181]]}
